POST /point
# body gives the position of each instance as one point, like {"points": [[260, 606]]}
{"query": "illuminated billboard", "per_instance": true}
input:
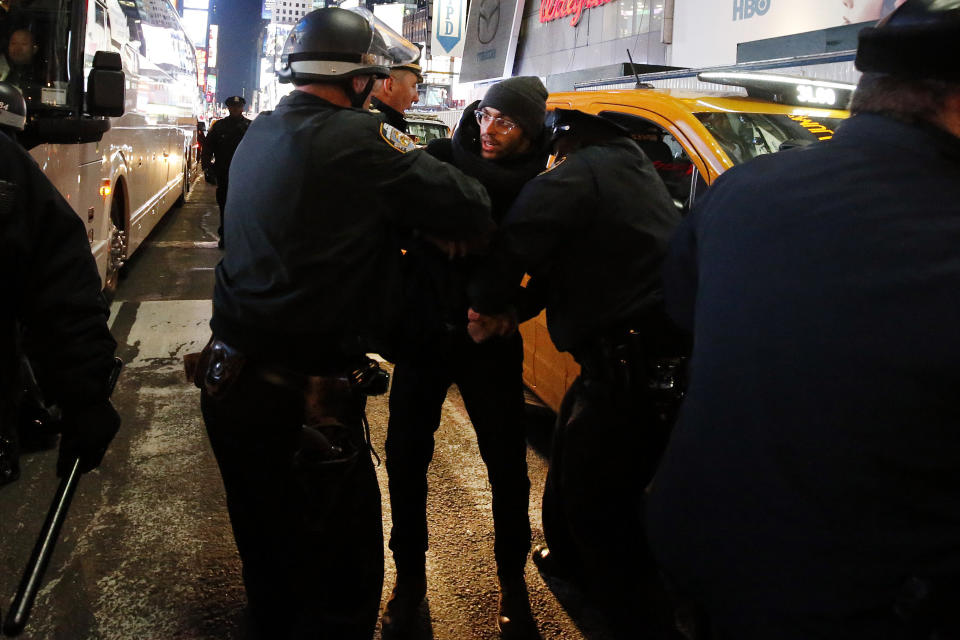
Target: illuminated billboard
{"points": [[212, 47], [195, 24], [201, 67]]}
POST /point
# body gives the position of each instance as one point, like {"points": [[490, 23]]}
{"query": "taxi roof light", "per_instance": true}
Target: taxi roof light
{"points": [[785, 89]]}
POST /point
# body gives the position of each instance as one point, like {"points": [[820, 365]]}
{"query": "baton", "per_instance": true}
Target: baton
{"points": [[42, 550]]}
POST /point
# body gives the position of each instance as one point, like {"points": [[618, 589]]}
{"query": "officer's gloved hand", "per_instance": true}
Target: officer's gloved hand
{"points": [[87, 432]]}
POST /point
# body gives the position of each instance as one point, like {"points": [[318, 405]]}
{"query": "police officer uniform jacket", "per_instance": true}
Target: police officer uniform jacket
{"points": [[222, 141], [592, 232], [316, 227], [816, 463], [53, 290]]}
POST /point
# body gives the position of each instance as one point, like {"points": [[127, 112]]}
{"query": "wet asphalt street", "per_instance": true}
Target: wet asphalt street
{"points": [[147, 551]]}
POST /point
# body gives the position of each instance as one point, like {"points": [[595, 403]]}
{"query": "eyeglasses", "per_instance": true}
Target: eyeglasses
{"points": [[499, 125]]}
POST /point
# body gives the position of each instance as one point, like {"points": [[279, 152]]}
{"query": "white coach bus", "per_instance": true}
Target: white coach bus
{"points": [[121, 174]]}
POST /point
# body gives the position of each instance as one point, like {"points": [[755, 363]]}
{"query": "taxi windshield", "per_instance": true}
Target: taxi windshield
{"points": [[34, 36], [747, 135], [425, 132]]}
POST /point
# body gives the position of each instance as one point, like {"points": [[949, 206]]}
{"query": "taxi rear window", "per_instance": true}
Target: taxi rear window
{"points": [[747, 135]]}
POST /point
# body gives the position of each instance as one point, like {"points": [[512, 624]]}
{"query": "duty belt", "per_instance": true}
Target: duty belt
{"points": [[327, 400]]}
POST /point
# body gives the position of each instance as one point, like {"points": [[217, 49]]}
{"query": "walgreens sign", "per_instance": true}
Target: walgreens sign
{"points": [[553, 9]]}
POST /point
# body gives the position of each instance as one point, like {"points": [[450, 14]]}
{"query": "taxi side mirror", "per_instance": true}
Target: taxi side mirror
{"points": [[105, 85]]}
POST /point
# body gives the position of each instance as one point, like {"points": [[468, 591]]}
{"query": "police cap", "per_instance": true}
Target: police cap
{"points": [[234, 101], [920, 39], [413, 67], [13, 108]]}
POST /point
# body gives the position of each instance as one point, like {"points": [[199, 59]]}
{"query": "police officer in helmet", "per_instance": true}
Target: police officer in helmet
{"points": [[811, 486], [308, 287], [54, 306]]}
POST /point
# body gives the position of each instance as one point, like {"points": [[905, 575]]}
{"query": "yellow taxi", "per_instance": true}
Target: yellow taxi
{"points": [[692, 137], [424, 127]]}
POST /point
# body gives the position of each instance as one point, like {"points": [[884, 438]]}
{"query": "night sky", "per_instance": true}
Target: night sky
{"points": [[237, 53]]}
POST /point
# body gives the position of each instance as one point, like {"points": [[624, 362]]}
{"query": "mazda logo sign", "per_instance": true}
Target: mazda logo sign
{"points": [[489, 20]]}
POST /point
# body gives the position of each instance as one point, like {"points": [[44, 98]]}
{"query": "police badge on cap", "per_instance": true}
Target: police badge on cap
{"points": [[234, 101]]}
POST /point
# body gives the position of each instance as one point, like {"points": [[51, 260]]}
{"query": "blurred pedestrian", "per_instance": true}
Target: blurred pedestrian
{"points": [[309, 287], [811, 487], [502, 142]]}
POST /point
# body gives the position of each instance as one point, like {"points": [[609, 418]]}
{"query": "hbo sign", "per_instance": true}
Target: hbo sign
{"points": [[743, 9]]}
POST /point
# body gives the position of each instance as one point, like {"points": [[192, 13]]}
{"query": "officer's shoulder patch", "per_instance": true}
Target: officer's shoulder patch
{"points": [[554, 165], [396, 138]]}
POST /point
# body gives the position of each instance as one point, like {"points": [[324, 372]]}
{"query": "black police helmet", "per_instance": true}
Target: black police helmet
{"points": [[570, 122], [234, 101], [13, 108], [920, 39], [333, 44]]}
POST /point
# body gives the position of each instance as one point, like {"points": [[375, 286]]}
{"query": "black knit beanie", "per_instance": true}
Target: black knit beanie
{"points": [[523, 99]]}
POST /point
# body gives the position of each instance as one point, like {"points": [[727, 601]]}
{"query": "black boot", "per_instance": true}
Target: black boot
{"points": [[400, 615], [514, 618]]}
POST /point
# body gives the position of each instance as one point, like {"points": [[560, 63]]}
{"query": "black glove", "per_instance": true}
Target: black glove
{"points": [[87, 432]]}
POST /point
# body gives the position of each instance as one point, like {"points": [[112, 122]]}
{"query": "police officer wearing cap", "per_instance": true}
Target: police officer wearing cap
{"points": [[592, 232], [812, 484], [309, 286], [397, 93], [53, 304], [218, 148]]}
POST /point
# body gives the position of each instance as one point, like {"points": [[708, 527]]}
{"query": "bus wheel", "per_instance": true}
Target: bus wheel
{"points": [[185, 187], [117, 247]]}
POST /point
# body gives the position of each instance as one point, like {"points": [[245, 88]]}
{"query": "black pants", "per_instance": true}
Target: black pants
{"points": [[489, 378], [221, 200], [605, 449], [311, 541]]}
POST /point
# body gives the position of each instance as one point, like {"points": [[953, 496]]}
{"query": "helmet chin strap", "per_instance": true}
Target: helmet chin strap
{"points": [[358, 98]]}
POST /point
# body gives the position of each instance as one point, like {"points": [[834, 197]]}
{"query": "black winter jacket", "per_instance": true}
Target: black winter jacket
{"points": [[436, 287], [816, 463], [53, 290], [592, 232]]}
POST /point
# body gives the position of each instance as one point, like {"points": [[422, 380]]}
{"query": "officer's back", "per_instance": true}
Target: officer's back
{"points": [[818, 443]]}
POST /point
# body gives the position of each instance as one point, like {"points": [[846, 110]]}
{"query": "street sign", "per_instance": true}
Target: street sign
{"points": [[449, 23]]}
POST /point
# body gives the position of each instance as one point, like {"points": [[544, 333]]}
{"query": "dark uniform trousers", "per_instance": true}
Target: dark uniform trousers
{"points": [[489, 378], [606, 446], [311, 541], [222, 180]]}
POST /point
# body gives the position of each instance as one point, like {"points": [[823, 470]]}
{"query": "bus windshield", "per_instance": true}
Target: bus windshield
{"points": [[34, 35], [747, 135]]}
